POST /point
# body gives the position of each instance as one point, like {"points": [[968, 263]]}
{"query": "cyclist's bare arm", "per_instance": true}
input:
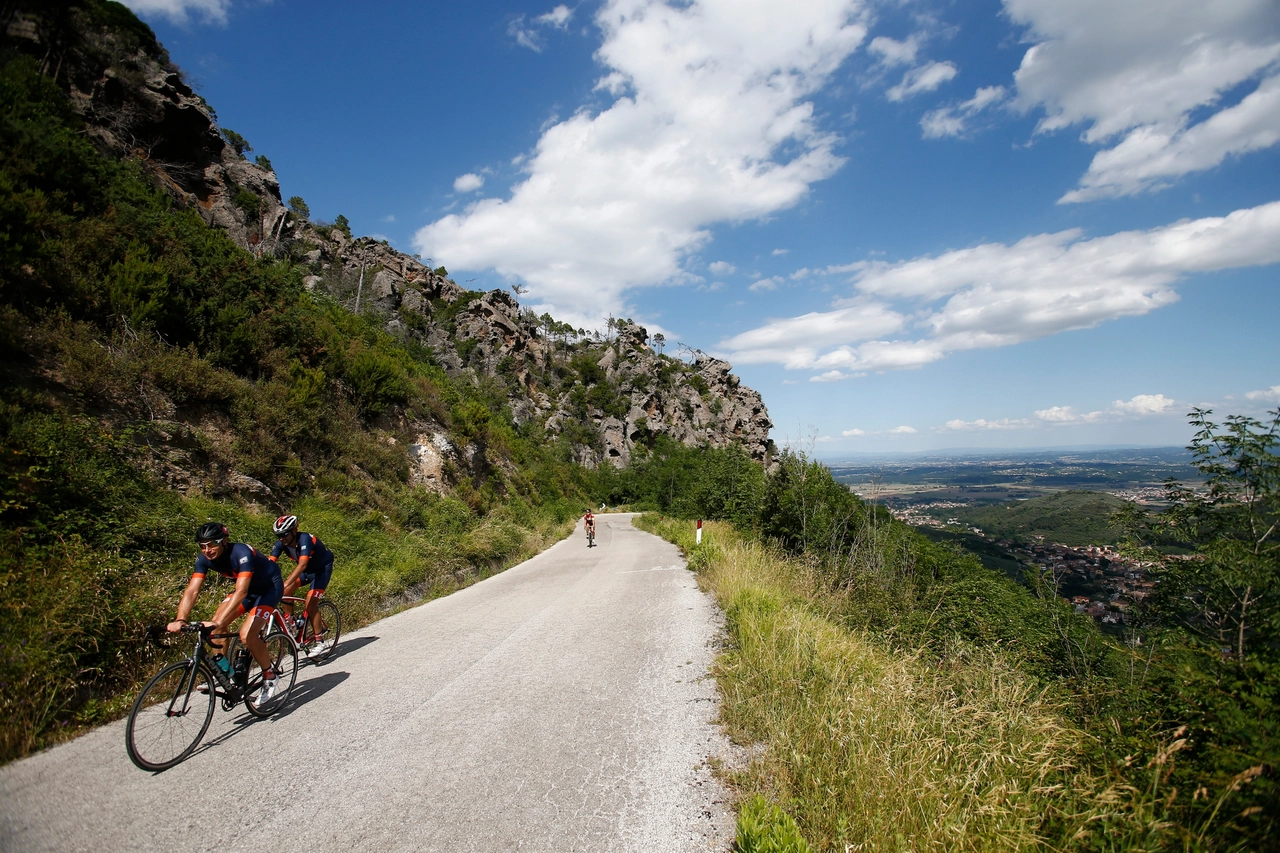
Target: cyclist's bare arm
{"points": [[291, 583], [188, 601]]}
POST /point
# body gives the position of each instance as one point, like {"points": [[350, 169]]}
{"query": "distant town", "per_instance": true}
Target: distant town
{"points": [[941, 492], [1099, 581]]}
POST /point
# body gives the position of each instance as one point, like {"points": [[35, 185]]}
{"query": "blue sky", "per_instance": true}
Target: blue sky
{"points": [[909, 224]]}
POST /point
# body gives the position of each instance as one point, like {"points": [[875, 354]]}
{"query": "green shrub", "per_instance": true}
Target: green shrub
{"points": [[765, 828]]}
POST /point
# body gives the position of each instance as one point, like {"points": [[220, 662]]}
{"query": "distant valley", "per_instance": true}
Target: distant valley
{"points": [[1044, 513]]}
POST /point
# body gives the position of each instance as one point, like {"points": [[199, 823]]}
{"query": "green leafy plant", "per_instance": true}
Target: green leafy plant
{"points": [[766, 828]]}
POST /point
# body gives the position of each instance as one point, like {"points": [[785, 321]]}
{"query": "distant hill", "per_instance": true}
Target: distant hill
{"points": [[1074, 518]]}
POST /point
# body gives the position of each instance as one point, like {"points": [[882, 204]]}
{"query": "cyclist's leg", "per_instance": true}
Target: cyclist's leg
{"points": [[319, 583], [290, 587], [250, 635]]}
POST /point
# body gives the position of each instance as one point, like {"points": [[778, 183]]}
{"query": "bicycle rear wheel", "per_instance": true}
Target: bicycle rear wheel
{"points": [[283, 652], [170, 716], [322, 646]]}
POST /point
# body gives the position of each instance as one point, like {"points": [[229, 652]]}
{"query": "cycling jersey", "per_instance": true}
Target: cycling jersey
{"points": [[240, 559], [319, 568], [307, 546]]}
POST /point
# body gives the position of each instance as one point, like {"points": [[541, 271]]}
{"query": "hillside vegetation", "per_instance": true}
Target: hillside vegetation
{"points": [[1077, 518], [900, 696]]}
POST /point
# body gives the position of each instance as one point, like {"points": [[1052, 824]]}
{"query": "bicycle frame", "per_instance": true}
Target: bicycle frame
{"points": [[285, 623], [204, 637]]}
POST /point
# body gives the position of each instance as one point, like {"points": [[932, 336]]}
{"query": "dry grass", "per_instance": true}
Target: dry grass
{"points": [[871, 748], [876, 750]]}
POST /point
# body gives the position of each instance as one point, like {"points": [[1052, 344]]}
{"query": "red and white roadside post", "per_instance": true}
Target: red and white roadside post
{"points": [[698, 537]]}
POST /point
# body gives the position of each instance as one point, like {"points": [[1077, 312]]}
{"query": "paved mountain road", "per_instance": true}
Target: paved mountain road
{"points": [[558, 706]]}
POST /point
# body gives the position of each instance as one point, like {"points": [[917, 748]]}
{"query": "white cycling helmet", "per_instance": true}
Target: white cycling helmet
{"points": [[285, 525]]}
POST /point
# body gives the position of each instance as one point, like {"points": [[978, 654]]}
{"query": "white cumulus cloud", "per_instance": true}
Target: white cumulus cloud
{"points": [[1149, 79], [179, 11], [1271, 394], [996, 295], [1066, 415], [469, 182], [722, 268], [1143, 404], [716, 126]]}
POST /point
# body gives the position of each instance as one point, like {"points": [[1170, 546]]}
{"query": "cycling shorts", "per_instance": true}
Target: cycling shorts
{"points": [[270, 598], [319, 579]]}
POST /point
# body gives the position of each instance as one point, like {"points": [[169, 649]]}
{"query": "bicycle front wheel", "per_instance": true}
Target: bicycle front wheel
{"points": [[170, 716], [283, 652], [322, 646]]}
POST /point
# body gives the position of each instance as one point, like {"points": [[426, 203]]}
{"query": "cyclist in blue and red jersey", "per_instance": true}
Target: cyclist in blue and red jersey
{"points": [[258, 589], [315, 567]]}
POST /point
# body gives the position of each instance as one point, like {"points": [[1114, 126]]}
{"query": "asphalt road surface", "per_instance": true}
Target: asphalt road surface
{"points": [[562, 705]]}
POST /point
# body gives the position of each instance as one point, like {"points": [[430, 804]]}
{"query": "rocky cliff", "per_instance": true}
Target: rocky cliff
{"points": [[607, 394]]}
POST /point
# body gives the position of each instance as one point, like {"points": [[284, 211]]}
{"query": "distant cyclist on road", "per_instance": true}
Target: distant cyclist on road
{"points": [[589, 524], [258, 589], [315, 567]]}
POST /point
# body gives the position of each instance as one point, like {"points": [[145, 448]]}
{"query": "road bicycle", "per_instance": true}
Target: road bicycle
{"points": [[591, 537], [318, 647], [174, 709]]}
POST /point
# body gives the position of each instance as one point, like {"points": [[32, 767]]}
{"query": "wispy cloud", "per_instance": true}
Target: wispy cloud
{"points": [[996, 295], [180, 11], [722, 268], [558, 17], [1139, 406], [926, 78], [895, 432], [712, 123], [954, 120], [529, 33], [893, 52], [1149, 80], [770, 283]]}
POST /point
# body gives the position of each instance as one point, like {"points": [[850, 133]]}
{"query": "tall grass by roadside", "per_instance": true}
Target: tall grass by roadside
{"points": [[869, 745]]}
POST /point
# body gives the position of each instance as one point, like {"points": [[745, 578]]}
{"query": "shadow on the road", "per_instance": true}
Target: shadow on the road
{"points": [[303, 692], [312, 688], [346, 647]]}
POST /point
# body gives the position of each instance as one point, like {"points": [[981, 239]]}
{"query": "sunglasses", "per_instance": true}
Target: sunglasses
{"points": [[212, 543]]}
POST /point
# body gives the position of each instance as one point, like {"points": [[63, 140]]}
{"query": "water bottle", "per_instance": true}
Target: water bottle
{"points": [[221, 668]]}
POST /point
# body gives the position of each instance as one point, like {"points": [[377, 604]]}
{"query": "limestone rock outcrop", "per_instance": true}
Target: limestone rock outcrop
{"points": [[604, 395]]}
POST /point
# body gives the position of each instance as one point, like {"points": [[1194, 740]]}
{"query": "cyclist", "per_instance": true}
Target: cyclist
{"points": [[258, 590], [589, 524], [315, 567]]}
